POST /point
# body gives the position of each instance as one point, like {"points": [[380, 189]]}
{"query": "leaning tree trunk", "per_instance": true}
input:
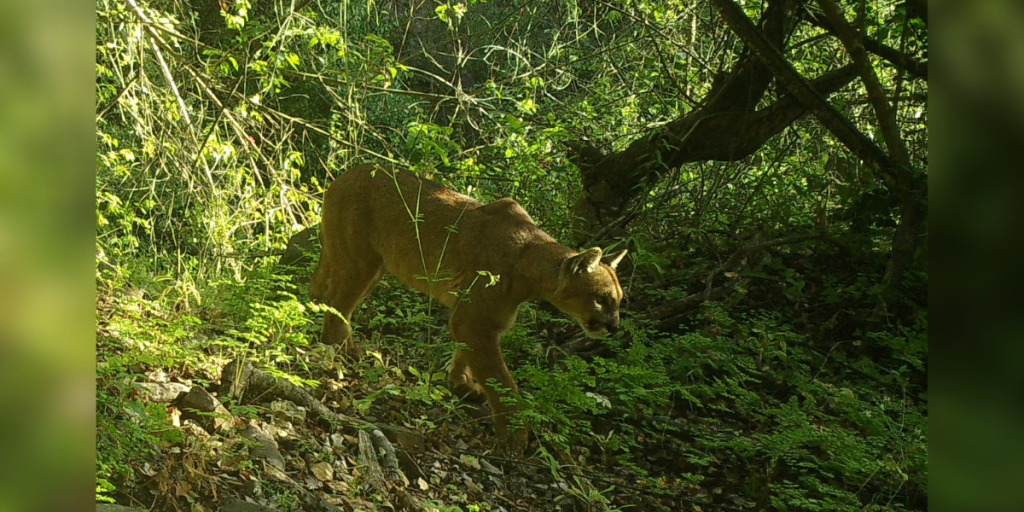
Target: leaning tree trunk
{"points": [[726, 128], [612, 183]]}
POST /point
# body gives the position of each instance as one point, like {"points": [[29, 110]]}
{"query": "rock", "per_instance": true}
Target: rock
{"points": [[237, 505], [163, 392], [157, 375], [286, 411], [112, 507], [201, 400], [266, 447]]}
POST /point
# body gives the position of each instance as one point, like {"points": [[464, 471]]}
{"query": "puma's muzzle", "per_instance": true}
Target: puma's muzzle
{"points": [[598, 327]]}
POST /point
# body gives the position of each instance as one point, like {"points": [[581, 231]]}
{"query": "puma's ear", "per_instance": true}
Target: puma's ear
{"points": [[585, 261], [612, 260]]}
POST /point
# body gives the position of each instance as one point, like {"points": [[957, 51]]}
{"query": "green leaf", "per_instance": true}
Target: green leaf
{"points": [[442, 11]]}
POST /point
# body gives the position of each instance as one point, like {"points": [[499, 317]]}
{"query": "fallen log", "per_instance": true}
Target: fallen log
{"points": [[240, 378]]}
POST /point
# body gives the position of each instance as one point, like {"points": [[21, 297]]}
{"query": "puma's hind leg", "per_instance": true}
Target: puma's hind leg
{"points": [[487, 366]]}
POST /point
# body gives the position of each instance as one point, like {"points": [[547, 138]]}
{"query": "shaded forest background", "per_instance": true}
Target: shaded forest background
{"points": [[764, 162]]}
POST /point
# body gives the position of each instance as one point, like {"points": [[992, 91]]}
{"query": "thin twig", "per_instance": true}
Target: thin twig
{"points": [[883, 111], [154, 37], [743, 251], [117, 98]]}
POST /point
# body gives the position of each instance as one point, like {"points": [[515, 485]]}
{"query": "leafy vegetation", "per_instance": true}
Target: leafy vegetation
{"points": [[774, 349]]}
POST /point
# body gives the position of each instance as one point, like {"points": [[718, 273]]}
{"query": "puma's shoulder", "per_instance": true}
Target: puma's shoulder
{"points": [[507, 212]]}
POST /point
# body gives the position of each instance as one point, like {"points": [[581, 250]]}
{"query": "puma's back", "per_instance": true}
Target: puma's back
{"points": [[369, 213]]}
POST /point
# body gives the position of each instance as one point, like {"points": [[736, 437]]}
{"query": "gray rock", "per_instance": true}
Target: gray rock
{"points": [[111, 507], [201, 400], [163, 392], [237, 505], [266, 447]]}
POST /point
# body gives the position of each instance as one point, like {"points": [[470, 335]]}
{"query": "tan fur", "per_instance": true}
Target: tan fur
{"points": [[367, 230]]}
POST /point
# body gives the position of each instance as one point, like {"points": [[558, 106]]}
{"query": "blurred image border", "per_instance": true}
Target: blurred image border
{"points": [[47, 249], [977, 350]]}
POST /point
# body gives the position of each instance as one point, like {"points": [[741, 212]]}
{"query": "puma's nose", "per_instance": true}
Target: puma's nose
{"points": [[613, 327]]}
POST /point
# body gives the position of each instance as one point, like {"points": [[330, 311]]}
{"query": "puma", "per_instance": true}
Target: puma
{"points": [[368, 229]]}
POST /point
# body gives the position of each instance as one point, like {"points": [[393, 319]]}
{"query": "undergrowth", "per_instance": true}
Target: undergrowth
{"points": [[739, 402]]}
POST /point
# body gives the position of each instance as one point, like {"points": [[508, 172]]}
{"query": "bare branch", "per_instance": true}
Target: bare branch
{"points": [[117, 98], [855, 47], [895, 57], [154, 38]]}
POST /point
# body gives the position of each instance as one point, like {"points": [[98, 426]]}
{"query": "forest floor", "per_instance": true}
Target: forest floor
{"points": [[318, 431], [279, 455]]}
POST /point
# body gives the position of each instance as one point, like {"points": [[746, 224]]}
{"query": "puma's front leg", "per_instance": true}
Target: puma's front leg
{"points": [[483, 357], [343, 286]]}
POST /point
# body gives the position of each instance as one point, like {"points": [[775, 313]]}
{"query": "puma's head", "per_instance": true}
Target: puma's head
{"points": [[589, 291]]}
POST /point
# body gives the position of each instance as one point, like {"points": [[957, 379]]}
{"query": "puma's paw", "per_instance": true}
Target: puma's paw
{"points": [[346, 345], [468, 393], [514, 443], [335, 332], [351, 349]]}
